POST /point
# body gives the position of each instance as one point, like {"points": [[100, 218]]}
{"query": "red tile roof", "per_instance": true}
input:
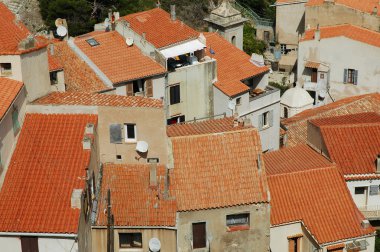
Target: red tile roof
{"points": [[353, 147], [203, 127], [9, 89], [12, 32], [47, 164], [53, 60], [209, 170], [134, 202], [119, 62], [294, 159], [346, 30], [362, 5], [78, 75], [233, 65], [320, 199], [297, 125], [160, 30], [359, 118], [90, 99]]}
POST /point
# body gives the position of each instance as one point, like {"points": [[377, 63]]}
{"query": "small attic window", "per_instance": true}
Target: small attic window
{"points": [[92, 42]]}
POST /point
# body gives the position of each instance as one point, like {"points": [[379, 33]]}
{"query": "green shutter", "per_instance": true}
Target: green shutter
{"points": [[345, 75], [16, 124]]}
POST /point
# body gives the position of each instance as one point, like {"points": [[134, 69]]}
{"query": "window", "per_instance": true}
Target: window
{"points": [[176, 119], [283, 49], [350, 76], [5, 69], [53, 78], [237, 221], [360, 190], [286, 112], [118, 157], [130, 240], [115, 133], [29, 244], [199, 235], [175, 96], [294, 244], [238, 101], [265, 120], [92, 42], [130, 132], [233, 40], [15, 121]]}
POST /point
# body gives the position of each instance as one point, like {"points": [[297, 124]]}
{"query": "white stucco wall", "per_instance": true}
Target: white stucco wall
{"points": [[236, 31], [290, 22], [10, 244], [159, 87], [13, 244], [373, 201], [279, 234], [341, 53], [293, 111], [15, 61]]}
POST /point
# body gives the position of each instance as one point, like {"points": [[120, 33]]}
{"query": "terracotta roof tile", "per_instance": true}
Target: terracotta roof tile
{"points": [[233, 65], [320, 199], [134, 202], [294, 159], [362, 5], [349, 31], [46, 166], [160, 30], [358, 177], [336, 246], [90, 99], [53, 60], [119, 62], [353, 147], [203, 127], [297, 125], [359, 118], [218, 170], [78, 75], [9, 89]]}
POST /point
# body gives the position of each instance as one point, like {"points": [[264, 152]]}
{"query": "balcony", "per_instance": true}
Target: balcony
{"points": [[371, 212], [257, 93]]}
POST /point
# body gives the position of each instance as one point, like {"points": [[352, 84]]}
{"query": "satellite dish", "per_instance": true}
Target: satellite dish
{"points": [[231, 104], [154, 245], [61, 31], [322, 93], [142, 146], [129, 41], [58, 22]]}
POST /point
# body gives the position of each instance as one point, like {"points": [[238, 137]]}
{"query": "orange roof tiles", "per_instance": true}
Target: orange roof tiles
{"points": [[320, 199], [218, 170], [118, 61], [160, 30], [358, 118], [233, 65], [47, 164], [297, 125], [311, 64], [294, 159], [9, 89], [90, 99], [134, 202], [353, 147], [12, 32], [53, 60], [203, 127], [349, 31], [362, 5]]}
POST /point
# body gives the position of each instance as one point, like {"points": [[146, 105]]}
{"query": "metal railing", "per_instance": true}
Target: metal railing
{"points": [[370, 211], [250, 14]]}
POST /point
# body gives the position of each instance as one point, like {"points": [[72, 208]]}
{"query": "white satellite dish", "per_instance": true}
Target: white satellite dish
{"points": [[154, 245], [142, 146], [129, 41], [322, 93], [61, 31], [231, 104]]}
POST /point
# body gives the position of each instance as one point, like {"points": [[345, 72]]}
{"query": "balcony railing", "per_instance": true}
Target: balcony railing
{"points": [[370, 211]]}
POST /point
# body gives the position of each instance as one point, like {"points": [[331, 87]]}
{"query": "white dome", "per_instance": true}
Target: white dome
{"points": [[296, 98]]}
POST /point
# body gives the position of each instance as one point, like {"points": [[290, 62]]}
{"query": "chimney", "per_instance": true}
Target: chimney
{"points": [[51, 49], [247, 122], [76, 197], [172, 12], [86, 143], [374, 11], [153, 174], [158, 4], [236, 120], [378, 163], [89, 128], [365, 224], [317, 34]]}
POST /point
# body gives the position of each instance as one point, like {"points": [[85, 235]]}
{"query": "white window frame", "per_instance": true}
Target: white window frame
{"points": [[127, 139], [266, 120]]}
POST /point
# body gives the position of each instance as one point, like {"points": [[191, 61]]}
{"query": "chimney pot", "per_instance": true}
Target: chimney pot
{"points": [[172, 12]]}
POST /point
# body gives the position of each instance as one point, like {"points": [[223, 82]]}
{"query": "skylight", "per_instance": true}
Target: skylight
{"points": [[92, 42]]}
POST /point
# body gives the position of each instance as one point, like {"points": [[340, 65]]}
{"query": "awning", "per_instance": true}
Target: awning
{"points": [[184, 48], [311, 64]]}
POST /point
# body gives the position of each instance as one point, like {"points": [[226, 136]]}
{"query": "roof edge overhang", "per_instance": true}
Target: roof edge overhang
{"points": [[235, 205], [52, 235], [136, 227]]}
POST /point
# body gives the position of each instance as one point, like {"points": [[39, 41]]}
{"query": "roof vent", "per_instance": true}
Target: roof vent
{"points": [[76, 197], [129, 41], [365, 224]]}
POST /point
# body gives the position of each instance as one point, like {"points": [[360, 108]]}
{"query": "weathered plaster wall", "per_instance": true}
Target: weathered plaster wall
{"points": [[290, 23]]}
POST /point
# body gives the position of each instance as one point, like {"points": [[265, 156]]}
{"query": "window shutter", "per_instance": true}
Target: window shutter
{"points": [[129, 88], [260, 126], [16, 123], [291, 245], [345, 75], [115, 133], [199, 235], [270, 118], [356, 77], [149, 88]]}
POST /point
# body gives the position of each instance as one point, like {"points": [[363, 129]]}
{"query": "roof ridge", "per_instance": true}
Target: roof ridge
{"points": [[332, 166], [215, 134], [351, 125]]}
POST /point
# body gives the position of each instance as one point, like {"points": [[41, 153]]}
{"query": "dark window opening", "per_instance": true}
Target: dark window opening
{"points": [[5, 69], [130, 131], [118, 157], [29, 244], [233, 40], [92, 42], [53, 78], [130, 240], [175, 95], [199, 235], [176, 119], [360, 190]]}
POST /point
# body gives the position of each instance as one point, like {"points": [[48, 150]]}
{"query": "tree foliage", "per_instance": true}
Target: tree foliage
{"points": [[250, 44]]}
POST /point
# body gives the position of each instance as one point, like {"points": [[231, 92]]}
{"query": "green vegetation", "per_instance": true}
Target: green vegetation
{"points": [[261, 7], [282, 87], [377, 243], [250, 44]]}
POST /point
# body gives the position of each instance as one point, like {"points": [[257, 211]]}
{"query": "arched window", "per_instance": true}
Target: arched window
{"points": [[233, 40], [286, 112]]}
